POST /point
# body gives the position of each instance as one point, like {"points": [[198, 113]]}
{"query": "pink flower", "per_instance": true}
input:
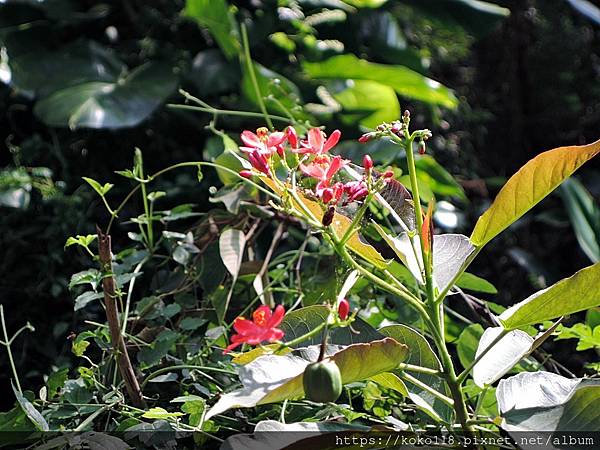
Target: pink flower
{"points": [[263, 141], [355, 190], [316, 143], [323, 168], [332, 194], [259, 161], [261, 328], [246, 173], [343, 309]]}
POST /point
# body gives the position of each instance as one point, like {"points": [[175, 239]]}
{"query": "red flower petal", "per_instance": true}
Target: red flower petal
{"points": [[316, 140], [277, 316], [251, 139], [333, 139]]}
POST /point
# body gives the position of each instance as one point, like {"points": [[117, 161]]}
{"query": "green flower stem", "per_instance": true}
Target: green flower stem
{"points": [[227, 112], [186, 164], [250, 68], [419, 369], [7, 343], [436, 320], [412, 380], [357, 218], [149, 227], [314, 332], [184, 366]]}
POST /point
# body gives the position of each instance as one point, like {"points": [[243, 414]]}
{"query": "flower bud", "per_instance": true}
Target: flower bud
{"points": [[343, 309], [246, 173], [422, 147], [328, 216], [396, 127], [365, 138], [388, 174], [367, 162], [292, 136]]}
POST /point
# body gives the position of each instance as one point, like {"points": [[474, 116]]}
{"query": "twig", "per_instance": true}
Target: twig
{"points": [[119, 348]]}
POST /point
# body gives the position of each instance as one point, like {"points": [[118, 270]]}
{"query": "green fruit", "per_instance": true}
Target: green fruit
{"points": [[322, 382]]}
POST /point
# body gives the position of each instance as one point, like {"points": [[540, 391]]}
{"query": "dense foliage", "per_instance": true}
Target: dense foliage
{"points": [[211, 221]]}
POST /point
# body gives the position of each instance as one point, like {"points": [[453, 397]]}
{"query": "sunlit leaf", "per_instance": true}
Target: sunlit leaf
{"points": [[403, 80], [570, 295], [273, 378], [544, 401], [501, 357], [534, 181]]}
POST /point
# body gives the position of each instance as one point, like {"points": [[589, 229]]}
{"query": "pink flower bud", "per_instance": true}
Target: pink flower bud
{"points": [[343, 309], [388, 174], [365, 138], [422, 147], [246, 173], [292, 136], [367, 162]]}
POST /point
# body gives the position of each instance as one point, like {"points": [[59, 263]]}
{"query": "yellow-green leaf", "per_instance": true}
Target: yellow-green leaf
{"points": [[534, 181], [576, 293], [340, 224]]}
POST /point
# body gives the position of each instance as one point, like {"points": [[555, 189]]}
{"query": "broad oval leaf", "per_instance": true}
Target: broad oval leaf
{"points": [[534, 181], [544, 401], [501, 357], [117, 103], [570, 295], [274, 378], [300, 321], [403, 80]]}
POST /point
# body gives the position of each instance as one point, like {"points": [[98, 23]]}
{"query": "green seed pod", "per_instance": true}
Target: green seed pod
{"points": [[322, 382]]}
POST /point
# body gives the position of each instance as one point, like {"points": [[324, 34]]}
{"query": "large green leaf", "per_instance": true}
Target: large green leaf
{"points": [[215, 16], [274, 378], [303, 320], [544, 401], [534, 181], [475, 16], [38, 71], [570, 295], [403, 80], [420, 354], [584, 215], [375, 102], [119, 103]]}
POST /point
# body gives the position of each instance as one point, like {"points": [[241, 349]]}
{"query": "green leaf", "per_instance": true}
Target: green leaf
{"points": [[231, 248], [475, 16], [584, 215], [274, 378], [466, 345], [56, 380], [215, 16], [570, 295], [372, 102], [474, 283], [100, 189], [502, 357], [403, 80], [437, 178], [365, 3], [84, 299], [160, 413], [534, 181], [117, 103], [544, 401], [32, 413], [420, 354], [300, 321]]}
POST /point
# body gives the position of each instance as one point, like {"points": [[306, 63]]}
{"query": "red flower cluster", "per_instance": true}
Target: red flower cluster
{"points": [[262, 327], [262, 145]]}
